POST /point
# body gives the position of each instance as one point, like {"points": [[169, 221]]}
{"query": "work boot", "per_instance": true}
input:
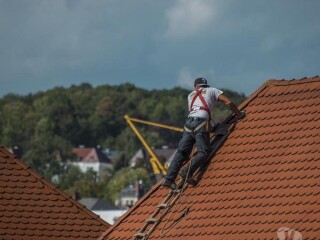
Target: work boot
{"points": [[183, 173], [169, 184]]}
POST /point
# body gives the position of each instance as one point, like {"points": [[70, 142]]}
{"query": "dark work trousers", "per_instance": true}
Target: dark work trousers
{"points": [[202, 140]]}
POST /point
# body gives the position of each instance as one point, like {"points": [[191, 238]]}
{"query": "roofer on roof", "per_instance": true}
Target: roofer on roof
{"points": [[196, 130]]}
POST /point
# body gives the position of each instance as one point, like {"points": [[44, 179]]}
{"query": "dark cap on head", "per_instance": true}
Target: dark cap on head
{"points": [[201, 82]]}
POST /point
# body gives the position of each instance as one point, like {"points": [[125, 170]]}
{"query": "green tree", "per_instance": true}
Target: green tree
{"points": [[16, 124], [87, 186], [72, 180], [45, 149], [119, 163], [57, 106], [48, 124], [69, 174]]}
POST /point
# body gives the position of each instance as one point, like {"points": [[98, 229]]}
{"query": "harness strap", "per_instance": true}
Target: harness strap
{"points": [[194, 99], [204, 103], [197, 128]]}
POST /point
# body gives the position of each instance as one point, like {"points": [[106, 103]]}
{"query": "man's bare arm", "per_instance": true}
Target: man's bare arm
{"points": [[231, 105]]}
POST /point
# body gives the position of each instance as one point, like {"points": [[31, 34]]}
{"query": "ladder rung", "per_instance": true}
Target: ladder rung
{"points": [[152, 220], [176, 191], [140, 235], [163, 205]]}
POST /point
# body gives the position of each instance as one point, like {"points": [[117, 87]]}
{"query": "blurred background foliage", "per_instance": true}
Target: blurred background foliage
{"points": [[51, 122]]}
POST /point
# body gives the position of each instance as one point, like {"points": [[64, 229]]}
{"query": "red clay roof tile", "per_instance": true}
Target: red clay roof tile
{"points": [[266, 175], [32, 208]]}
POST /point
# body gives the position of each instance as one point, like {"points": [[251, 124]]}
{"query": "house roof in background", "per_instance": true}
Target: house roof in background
{"points": [[33, 208], [96, 204], [265, 177], [90, 155], [164, 154], [128, 191]]}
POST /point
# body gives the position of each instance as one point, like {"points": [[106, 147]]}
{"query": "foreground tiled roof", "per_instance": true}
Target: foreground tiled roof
{"points": [[266, 177], [32, 208]]}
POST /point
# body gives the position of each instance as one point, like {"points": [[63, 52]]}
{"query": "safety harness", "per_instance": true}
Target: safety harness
{"points": [[204, 103], [204, 107]]}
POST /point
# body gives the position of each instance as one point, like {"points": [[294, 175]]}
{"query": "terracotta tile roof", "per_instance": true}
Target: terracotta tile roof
{"points": [[265, 177], [32, 208]]}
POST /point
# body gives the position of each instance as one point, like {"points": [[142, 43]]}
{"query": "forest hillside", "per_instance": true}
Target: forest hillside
{"points": [[48, 123]]}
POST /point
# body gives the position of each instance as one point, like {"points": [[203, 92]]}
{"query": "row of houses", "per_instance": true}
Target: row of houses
{"points": [[101, 161], [98, 160]]}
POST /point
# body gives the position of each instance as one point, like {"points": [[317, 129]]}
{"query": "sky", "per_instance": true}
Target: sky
{"points": [[156, 44]]}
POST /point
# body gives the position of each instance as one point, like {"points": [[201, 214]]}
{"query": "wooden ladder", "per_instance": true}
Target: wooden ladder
{"points": [[160, 212]]}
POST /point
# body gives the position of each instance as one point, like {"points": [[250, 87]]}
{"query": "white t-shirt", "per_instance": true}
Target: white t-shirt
{"points": [[210, 95]]}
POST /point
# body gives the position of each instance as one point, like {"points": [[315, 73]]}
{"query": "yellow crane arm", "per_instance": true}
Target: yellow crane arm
{"points": [[157, 166], [154, 124]]}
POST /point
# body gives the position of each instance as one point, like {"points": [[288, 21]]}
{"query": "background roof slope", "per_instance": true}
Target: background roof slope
{"points": [[265, 177], [89, 155], [32, 208]]}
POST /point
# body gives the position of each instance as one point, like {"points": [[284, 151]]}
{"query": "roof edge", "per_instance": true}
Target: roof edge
{"points": [[252, 96], [248, 100], [54, 188], [283, 82], [275, 82]]}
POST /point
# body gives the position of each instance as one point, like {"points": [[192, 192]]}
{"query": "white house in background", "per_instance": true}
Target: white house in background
{"points": [[127, 197], [130, 194], [94, 158], [105, 210]]}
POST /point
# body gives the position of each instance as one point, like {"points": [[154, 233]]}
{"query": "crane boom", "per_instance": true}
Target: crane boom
{"points": [[156, 164], [155, 124]]}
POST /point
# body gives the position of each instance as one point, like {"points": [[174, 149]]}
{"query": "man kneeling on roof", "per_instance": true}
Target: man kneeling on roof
{"points": [[196, 131]]}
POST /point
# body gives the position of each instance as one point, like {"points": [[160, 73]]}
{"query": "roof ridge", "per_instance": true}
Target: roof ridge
{"points": [[283, 82], [53, 187], [271, 83], [247, 101]]}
